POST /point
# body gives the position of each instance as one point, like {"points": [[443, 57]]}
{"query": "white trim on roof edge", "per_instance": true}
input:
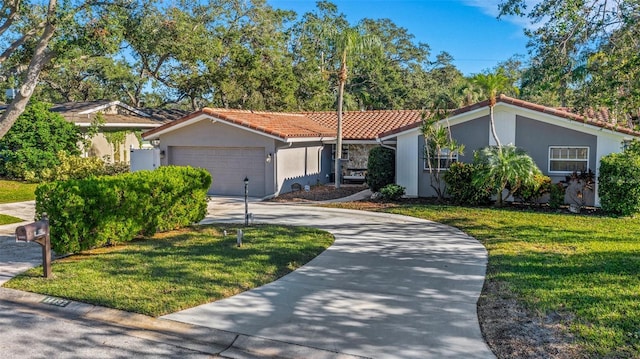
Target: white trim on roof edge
{"points": [[529, 113], [127, 124], [117, 103]]}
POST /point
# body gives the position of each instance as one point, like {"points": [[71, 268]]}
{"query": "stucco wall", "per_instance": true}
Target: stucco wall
{"points": [[207, 134], [535, 137], [473, 134], [301, 163], [100, 147]]}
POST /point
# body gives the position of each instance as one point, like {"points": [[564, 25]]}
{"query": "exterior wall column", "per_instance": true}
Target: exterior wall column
{"points": [[408, 163], [605, 145], [505, 127]]}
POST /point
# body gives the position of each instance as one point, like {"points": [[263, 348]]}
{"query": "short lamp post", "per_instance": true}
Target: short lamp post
{"points": [[246, 201]]}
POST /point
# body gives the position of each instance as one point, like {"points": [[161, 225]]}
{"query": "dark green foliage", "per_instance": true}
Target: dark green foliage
{"points": [[93, 212], [392, 192], [556, 195], [33, 142], [461, 187], [381, 169], [532, 192], [619, 182]]}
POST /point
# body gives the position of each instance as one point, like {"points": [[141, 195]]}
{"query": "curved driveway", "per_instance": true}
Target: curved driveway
{"points": [[390, 286]]}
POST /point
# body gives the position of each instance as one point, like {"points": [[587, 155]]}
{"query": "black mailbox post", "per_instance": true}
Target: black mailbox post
{"points": [[38, 232]]}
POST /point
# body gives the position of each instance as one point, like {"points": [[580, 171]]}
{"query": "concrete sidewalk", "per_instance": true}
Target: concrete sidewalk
{"points": [[389, 287]]}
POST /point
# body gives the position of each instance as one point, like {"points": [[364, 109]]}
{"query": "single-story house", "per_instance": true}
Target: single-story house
{"points": [[121, 126], [273, 150], [559, 141]]}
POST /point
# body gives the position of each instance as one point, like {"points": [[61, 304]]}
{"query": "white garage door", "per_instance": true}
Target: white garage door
{"points": [[228, 167]]}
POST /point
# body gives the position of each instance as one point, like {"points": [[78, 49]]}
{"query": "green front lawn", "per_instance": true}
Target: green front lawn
{"points": [[585, 267], [15, 191], [178, 270], [4, 219]]}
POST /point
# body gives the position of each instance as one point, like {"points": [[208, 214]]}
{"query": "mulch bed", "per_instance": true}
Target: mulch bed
{"points": [[319, 193]]}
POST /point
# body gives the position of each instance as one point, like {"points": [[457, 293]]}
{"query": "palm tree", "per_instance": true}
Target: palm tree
{"points": [[503, 168], [345, 42], [493, 84]]}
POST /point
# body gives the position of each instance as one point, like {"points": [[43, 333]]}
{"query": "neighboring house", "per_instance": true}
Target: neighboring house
{"points": [[559, 141], [273, 150], [121, 126]]}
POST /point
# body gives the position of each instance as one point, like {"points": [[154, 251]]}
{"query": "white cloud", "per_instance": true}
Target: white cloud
{"points": [[490, 7]]}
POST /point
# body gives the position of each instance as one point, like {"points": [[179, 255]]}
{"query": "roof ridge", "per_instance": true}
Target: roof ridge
{"points": [[258, 112]]}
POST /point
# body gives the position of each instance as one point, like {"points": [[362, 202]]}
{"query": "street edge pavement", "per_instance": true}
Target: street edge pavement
{"points": [[211, 341]]}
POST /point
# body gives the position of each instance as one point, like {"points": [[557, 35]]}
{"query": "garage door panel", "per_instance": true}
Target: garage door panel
{"points": [[228, 167]]}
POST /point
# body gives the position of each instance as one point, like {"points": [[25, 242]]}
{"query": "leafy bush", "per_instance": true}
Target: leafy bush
{"points": [[556, 195], [507, 167], [392, 192], [31, 145], [461, 187], [619, 182], [381, 169], [92, 212], [532, 192], [76, 167]]}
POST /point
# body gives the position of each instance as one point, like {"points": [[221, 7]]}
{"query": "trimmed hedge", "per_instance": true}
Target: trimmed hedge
{"points": [[97, 211], [381, 168], [461, 187], [619, 182]]}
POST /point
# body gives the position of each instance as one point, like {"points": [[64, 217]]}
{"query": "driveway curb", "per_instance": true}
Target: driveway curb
{"points": [[202, 339]]}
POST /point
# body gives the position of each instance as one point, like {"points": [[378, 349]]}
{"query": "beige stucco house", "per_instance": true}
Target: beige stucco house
{"points": [[119, 126]]}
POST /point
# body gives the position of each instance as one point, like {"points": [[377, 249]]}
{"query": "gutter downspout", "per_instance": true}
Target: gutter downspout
{"points": [[383, 145]]}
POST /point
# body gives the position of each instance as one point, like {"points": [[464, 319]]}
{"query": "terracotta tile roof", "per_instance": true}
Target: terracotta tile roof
{"points": [[599, 118], [282, 125], [367, 125]]}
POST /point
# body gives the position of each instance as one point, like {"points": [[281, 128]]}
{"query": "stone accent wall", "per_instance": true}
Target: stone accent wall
{"points": [[358, 157]]}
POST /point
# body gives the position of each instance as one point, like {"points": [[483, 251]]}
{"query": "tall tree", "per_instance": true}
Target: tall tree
{"points": [[36, 34], [345, 43], [585, 53], [493, 84]]}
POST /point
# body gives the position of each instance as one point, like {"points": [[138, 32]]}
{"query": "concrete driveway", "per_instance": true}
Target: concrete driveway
{"points": [[389, 287], [17, 257]]}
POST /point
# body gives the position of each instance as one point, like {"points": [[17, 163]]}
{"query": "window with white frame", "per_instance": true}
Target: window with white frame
{"points": [[568, 159], [345, 152], [442, 160]]}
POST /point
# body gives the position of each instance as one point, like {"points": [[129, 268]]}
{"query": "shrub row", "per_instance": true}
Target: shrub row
{"points": [[93, 212], [75, 167]]}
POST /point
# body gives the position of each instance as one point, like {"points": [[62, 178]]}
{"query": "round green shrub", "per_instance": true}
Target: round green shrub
{"points": [[381, 169], [392, 192], [461, 187], [619, 183]]}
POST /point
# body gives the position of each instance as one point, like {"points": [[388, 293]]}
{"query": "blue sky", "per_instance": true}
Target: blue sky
{"points": [[467, 29]]}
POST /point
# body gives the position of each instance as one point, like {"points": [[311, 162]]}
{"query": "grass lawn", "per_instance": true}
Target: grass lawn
{"points": [[15, 191], [582, 267], [178, 270], [4, 219]]}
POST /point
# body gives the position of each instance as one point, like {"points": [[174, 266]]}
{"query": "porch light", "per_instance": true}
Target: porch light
{"points": [[155, 142], [268, 159]]}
